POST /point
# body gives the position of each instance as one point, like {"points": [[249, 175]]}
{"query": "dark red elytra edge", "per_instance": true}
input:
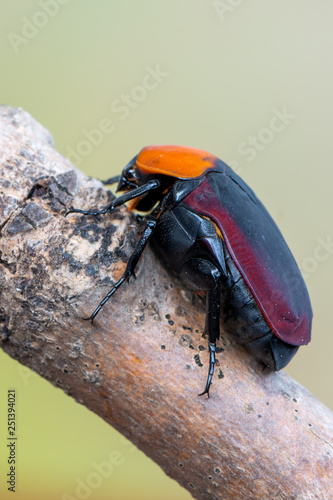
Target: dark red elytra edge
{"points": [[268, 269]]}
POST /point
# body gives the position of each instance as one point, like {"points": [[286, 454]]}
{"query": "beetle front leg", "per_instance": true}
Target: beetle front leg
{"points": [[131, 264], [124, 198], [212, 328]]}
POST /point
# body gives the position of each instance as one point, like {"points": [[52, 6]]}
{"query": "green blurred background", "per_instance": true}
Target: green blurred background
{"points": [[250, 81]]}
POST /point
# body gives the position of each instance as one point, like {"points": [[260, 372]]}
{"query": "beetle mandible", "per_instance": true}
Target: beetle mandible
{"points": [[216, 235]]}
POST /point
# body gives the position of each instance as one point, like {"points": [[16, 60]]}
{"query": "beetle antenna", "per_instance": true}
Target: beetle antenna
{"points": [[111, 180]]}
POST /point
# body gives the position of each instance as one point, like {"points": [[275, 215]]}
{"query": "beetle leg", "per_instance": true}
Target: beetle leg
{"points": [[131, 264], [124, 198], [212, 328], [111, 180]]}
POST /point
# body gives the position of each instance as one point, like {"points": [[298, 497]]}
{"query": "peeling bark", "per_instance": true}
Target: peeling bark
{"points": [[142, 363]]}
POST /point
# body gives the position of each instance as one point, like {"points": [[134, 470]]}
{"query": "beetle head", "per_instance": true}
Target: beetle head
{"points": [[129, 177], [133, 176]]}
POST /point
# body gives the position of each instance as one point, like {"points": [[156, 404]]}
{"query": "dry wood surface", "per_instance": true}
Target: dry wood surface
{"points": [[142, 363]]}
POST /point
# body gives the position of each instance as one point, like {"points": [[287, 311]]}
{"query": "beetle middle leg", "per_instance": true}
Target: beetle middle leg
{"points": [[131, 264]]}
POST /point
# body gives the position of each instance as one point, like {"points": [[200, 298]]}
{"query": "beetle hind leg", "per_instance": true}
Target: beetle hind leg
{"points": [[204, 276], [212, 328]]}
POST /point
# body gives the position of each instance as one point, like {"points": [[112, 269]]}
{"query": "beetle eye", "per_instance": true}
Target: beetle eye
{"points": [[129, 172], [128, 179]]}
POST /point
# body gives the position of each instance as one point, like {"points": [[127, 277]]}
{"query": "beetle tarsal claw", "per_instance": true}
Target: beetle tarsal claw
{"points": [[90, 318], [69, 211], [206, 391]]}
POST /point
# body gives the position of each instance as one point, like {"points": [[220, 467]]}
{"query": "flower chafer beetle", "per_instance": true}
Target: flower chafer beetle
{"points": [[215, 234]]}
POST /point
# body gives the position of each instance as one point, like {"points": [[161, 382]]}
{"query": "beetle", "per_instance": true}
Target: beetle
{"points": [[216, 235]]}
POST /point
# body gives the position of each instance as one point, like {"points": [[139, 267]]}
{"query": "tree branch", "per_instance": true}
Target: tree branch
{"points": [[142, 363]]}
